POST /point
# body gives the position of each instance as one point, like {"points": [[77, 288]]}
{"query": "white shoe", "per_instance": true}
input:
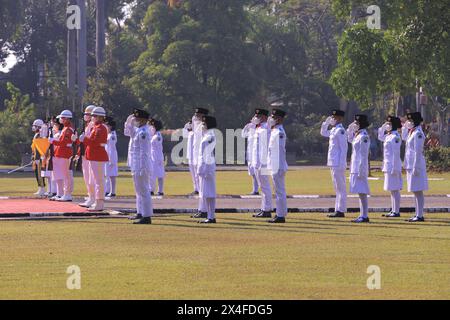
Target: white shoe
{"points": [[40, 192], [65, 199], [55, 198], [87, 203], [99, 205]]}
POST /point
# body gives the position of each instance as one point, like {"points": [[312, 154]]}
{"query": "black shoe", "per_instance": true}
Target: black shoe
{"points": [[337, 214], [263, 214], [256, 193], [277, 220], [111, 195], [208, 221], [160, 194], [361, 220], [416, 219], [152, 193], [392, 215], [200, 215], [194, 193], [136, 217], [146, 220]]}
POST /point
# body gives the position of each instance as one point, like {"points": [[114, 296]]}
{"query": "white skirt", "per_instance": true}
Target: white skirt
{"points": [[359, 185], [111, 170], [158, 171], [392, 182], [60, 168], [417, 183], [207, 186]]}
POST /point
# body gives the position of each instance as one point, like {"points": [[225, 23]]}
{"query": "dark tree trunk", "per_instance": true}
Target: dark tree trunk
{"points": [[100, 36]]}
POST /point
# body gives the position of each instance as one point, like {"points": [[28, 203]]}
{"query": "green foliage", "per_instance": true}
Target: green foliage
{"points": [[438, 159], [15, 124]]}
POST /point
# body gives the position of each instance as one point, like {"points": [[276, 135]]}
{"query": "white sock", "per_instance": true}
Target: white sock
{"points": [[420, 202], [364, 205]]}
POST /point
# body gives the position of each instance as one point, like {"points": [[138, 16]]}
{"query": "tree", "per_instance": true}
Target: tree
{"points": [[15, 126]]}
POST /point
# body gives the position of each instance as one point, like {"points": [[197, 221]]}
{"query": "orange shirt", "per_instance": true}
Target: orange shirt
{"points": [[95, 144]]}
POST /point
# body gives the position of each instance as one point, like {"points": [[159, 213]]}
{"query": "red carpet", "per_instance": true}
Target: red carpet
{"points": [[38, 206]]}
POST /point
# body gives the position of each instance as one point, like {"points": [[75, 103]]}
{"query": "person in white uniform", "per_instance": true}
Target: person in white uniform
{"points": [[415, 165], [112, 167], [259, 161], [139, 159], [359, 165], [392, 162], [249, 133], [188, 134], [206, 169], [158, 171], [197, 124], [337, 158], [276, 163]]}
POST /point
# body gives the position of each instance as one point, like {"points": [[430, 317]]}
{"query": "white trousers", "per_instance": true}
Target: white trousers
{"points": [[86, 174], [97, 180], [194, 176], [264, 184], [62, 176], [143, 197], [340, 188], [280, 193]]}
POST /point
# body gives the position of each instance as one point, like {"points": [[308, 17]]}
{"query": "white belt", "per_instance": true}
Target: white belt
{"points": [[69, 145], [103, 144]]}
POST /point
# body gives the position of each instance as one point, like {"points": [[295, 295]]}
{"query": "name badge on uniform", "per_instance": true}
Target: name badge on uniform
{"points": [[143, 135]]}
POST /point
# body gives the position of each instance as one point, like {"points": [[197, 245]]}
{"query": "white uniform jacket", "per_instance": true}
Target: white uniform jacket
{"points": [[392, 142], [338, 145], [414, 157], [276, 159], [260, 146], [207, 160], [360, 141], [157, 155], [139, 157]]}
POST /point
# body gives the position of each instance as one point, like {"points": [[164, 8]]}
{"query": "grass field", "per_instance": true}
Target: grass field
{"points": [[310, 257], [305, 181]]}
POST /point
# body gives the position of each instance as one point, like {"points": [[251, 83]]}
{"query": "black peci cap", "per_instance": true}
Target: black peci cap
{"points": [[210, 122], [141, 114], [202, 111], [416, 117], [264, 112], [362, 120], [278, 113], [157, 124], [337, 112]]}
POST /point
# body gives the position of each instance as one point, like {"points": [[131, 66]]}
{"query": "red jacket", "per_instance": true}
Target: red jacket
{"points": [[95, 144], [63, 146]]}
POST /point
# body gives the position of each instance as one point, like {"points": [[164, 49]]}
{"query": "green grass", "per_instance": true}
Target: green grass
{"points": [[310, 257], [311, 181]]}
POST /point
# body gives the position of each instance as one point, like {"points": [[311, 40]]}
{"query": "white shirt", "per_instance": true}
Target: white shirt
{"points": [[414, 158], [139, 157], [111, 147], [260, 146], [207, 160], [248, 133], [392, 143], [338, 145], [276, 159], [360, 152]]}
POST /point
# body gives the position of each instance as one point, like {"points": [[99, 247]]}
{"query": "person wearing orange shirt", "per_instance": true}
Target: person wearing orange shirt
{"points": [[97, 156], [63, 152]]}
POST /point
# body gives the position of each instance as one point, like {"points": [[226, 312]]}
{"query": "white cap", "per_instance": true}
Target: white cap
{"points": [[99, 111], [38, 123], [65, 114], [89, 109]]}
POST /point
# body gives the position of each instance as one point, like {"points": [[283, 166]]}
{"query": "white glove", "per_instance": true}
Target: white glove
{"points": [[416, 172], [81, 137], [51, 140], [74, 137], [250, 126], [395, 172], [328, 120]]}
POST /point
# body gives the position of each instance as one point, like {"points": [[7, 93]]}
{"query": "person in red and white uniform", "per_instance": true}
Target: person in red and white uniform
{"points": [[97, 156], [88, 125], [61, 160]]}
